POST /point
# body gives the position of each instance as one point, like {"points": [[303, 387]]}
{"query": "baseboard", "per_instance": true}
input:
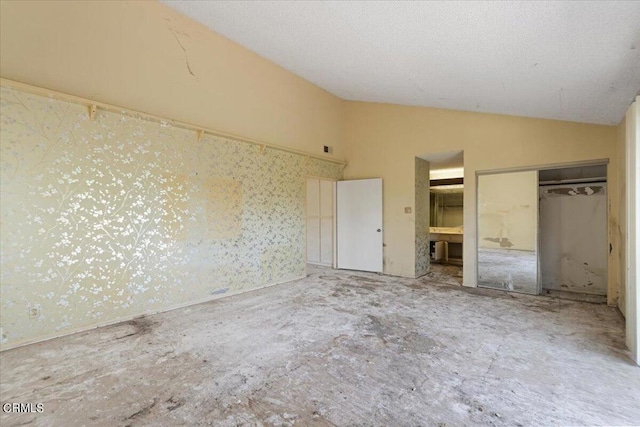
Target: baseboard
{"points": [[139, 315], [575, 296], [320, 264]]}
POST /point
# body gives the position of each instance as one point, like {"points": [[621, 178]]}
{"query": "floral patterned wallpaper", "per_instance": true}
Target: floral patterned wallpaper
{"points": [[106, 219]]}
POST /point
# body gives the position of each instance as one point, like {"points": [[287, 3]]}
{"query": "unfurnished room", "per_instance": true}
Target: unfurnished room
{"points": [[319, 213]]}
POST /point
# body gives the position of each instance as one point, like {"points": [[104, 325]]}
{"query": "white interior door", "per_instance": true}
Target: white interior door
{"points": [[359, 224]]}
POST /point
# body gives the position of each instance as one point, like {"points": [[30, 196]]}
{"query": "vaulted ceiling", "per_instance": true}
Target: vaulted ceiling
{"points": [[565, 60]]}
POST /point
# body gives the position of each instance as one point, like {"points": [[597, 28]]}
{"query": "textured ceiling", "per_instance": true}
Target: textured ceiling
{"points": [[577, 61]]}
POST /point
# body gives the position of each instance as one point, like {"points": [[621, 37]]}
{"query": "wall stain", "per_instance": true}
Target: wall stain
{"points": [[503, 241], [575, 191]]}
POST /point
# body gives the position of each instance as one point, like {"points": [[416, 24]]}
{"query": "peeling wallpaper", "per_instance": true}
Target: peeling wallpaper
{"points": [[573, 237], [107, 219]]}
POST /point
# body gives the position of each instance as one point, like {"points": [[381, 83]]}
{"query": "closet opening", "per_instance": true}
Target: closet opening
{"points": [[543, 231], [320, 215], [573, 232]]}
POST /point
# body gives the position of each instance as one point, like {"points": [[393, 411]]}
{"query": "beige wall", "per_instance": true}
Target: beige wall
{"points": [[144, 56], [507, 211], [631, 227], [621, 230], [382, 141]]}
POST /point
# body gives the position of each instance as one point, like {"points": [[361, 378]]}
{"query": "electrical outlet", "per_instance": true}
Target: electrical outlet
{"points": [[34, 311]]}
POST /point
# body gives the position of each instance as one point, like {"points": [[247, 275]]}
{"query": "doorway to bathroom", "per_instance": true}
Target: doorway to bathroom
{"points": [[446, 216]]}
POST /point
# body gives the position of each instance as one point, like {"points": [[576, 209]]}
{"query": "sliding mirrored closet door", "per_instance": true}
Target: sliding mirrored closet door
{"points": [[507, 231]]}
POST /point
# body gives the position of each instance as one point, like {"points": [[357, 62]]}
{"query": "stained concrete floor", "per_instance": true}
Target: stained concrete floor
{"points": [[338, 348], [445, 273], [508, 269]]}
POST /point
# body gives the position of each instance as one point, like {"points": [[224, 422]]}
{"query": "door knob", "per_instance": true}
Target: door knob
{"points": [[378, 230]]}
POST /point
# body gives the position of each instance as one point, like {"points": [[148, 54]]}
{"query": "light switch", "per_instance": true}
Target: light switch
{"points": [[407, 209]]}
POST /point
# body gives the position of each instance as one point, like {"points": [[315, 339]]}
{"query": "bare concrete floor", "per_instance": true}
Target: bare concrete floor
{"points": [[508, 269], [445, 273], [338, 348]]}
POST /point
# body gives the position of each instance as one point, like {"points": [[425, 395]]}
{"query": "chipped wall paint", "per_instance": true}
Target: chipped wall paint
{"points": [[573, 238], [383, 139], [107, 219], [621, 223], [152, 58], [574, 190], [507, 210]]}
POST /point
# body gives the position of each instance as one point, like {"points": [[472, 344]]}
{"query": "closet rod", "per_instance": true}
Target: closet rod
{"points": [[199, 130]]}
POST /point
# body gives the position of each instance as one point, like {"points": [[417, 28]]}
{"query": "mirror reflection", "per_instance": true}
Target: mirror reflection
{"points": [[507, 231], [446, 223]]}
